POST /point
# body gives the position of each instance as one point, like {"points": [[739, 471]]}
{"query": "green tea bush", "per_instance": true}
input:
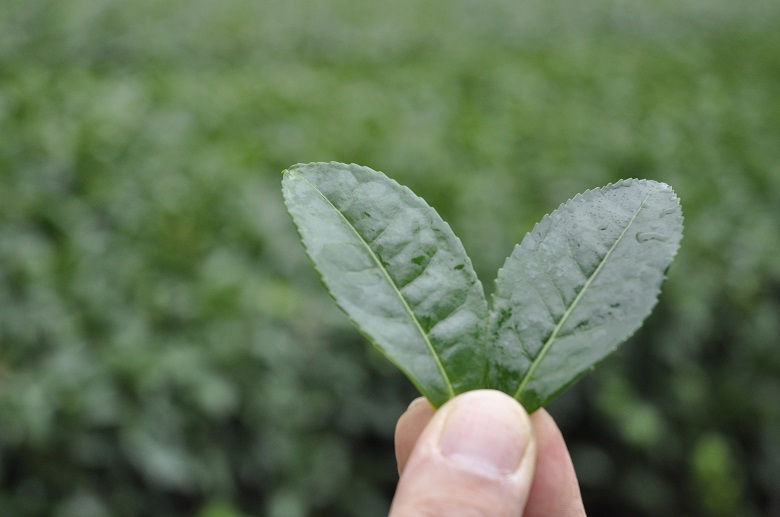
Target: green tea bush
{"points": [[165, 347]]}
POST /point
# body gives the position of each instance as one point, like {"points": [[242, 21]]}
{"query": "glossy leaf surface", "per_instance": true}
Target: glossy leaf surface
{"points": [[578, 285], [397, 270]]}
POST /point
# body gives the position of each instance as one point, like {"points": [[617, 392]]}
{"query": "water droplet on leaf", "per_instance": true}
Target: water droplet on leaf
{"points": [[651, 236]]}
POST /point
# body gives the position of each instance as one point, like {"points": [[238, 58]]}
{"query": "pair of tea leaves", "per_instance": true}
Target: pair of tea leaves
{"points": [[577, 286]]}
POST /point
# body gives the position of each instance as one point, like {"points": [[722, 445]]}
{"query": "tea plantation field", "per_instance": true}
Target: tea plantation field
{"points": [[166, 348]]}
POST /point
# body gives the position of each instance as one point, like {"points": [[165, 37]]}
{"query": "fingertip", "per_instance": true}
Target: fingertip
{"points": [[486, 430], [420, 404], [476, 456], [409, 427]]}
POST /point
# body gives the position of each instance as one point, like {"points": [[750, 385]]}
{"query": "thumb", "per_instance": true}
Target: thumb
{"points": [[475, 457]]}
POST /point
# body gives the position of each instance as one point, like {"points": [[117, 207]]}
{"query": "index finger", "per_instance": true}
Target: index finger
{"points": [[555, 491], [410, 426]]}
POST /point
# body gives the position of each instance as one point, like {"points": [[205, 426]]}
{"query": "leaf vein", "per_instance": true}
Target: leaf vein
{"points": [[392, 283], [556, 331]]}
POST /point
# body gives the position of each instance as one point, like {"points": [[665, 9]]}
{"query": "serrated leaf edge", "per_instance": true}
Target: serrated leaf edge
{"points": [[540, 357], [376, 260], [574, 304]]}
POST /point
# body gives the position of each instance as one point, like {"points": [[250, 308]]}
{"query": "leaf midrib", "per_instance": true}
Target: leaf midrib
{"points": [[392, 283], [548, 344]]}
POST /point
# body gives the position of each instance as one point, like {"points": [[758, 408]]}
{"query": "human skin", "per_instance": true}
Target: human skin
{"points": [[481, 454]]}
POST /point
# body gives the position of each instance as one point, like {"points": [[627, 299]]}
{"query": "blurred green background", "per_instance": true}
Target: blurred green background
{"points": [[166, 348]]}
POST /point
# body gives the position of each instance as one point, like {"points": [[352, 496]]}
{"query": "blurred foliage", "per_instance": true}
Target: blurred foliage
{"points": [[165, 347]]}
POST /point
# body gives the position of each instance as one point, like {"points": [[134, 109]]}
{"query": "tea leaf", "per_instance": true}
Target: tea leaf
{"points": [[397, 270], [578, 285]]}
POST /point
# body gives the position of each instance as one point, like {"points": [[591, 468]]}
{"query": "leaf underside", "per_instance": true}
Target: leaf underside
{"points": [[576, 287]]}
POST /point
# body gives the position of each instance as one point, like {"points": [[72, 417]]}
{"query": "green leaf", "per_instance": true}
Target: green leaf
{"points": [[397, 270], [578, 285]]}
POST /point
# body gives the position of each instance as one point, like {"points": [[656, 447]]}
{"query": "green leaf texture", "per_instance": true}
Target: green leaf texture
{"points": [[397, 270], [578, 285]]}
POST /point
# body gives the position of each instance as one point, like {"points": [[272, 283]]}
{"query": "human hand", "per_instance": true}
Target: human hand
{"points": [[481, 454]]}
